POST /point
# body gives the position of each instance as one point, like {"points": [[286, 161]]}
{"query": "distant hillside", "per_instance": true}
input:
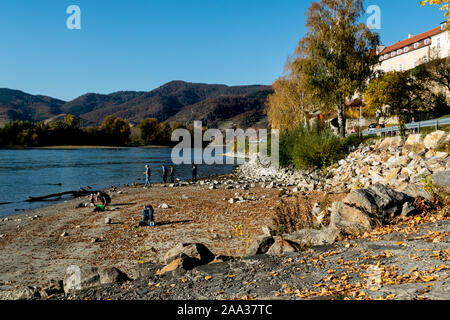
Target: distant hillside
{"points": [[175, 101], [241, 111], [18, 105]]}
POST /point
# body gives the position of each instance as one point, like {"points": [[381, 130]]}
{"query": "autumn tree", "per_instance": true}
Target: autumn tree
{"points": [[71, 121], [287, 108], [392, 89], [337, 55], [149, 130], [438, 71], [117, 129]]}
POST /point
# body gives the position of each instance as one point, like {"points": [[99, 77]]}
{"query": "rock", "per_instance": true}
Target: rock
{"points": [[407, 209], [378, 200], [433, 140], [64, 234], [163, 206], [391, 142], [281, 247], [312, 237], [260, 245], [349, 219], [184, 197], [112, 275], [146, 270], [392, 175], [414, 141], [441, 155], [88, 277], [268, 231], [441, 185], [108, 221], [192, 254], [413, 190]]}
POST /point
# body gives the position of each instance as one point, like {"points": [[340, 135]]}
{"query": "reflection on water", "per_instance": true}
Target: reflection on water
{"points": [[37, 172]]}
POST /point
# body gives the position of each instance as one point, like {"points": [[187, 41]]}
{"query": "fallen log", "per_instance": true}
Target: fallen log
{"points": [[75, 194]]}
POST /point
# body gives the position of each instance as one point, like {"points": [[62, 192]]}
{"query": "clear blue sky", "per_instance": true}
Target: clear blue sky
{"points": [[142, 44]]}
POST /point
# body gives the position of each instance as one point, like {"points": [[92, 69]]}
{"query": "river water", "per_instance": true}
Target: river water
{"points": [[38, 172]]}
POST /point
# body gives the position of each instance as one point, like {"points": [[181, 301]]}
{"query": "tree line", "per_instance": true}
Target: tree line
{"points": [[114, 131]]}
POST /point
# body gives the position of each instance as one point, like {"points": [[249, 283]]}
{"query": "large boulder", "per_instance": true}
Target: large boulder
{"points": [[192, 255], [350, 220], [391, 142], [434, 140], [87, 277], [260, 245], [441, 185], [379, 200]]}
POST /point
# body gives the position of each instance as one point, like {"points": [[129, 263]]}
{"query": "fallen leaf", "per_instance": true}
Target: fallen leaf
{"points": [[208, 278]]}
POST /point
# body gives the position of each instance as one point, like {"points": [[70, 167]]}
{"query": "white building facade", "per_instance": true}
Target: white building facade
{"points": [[415, 50]]}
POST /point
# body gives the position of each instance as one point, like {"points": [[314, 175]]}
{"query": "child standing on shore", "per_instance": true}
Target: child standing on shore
{"points": [[147, 217]]}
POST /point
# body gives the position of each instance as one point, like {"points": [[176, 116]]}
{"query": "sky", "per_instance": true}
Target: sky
{"points": [[141, 44]]}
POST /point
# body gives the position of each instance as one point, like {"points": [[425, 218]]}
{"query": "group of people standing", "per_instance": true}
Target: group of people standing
{"points": [[165, 174]]}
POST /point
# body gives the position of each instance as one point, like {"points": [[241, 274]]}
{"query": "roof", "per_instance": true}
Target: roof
{"points": [[410, 42]]}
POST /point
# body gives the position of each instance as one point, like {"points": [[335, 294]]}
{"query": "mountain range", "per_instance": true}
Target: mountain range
{"points": [[177, 101]]}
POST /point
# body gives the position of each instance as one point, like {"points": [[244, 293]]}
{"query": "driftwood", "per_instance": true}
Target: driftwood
{"points": [[75, 194]]}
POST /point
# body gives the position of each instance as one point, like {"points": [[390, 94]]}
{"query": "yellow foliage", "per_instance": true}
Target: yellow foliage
{"points": [[444, 6]]}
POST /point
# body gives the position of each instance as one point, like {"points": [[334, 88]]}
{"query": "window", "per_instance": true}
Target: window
{"points": [[416, 45], [381, 58], [393, 54], [399, 51], [406, 49], [386, 56], [400, 67], [425, 59], [427, 42], [438, 43]]}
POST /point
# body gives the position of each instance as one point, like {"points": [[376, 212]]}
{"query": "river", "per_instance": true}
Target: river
{"points": [[38, 172]]}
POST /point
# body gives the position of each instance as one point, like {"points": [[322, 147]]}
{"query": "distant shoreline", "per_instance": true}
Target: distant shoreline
{"points": [[71, 147]]}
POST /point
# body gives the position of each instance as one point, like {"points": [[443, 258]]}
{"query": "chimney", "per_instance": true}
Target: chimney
{"points": [[410, 36]]}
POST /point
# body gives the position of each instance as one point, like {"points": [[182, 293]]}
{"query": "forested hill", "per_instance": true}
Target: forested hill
{"points": [[18, 105], [175, 101]]}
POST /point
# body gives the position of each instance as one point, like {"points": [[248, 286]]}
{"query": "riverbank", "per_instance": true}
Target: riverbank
{"points": [[229, 215]]}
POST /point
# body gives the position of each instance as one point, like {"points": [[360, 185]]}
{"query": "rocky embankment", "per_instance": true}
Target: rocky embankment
{"points": [[386, 239]]}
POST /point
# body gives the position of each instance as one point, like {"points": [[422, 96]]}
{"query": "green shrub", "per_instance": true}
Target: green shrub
{"points": [[314, 148]]}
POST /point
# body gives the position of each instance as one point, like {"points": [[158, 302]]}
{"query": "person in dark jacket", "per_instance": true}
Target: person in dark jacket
{"points": [[165, 172]]}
